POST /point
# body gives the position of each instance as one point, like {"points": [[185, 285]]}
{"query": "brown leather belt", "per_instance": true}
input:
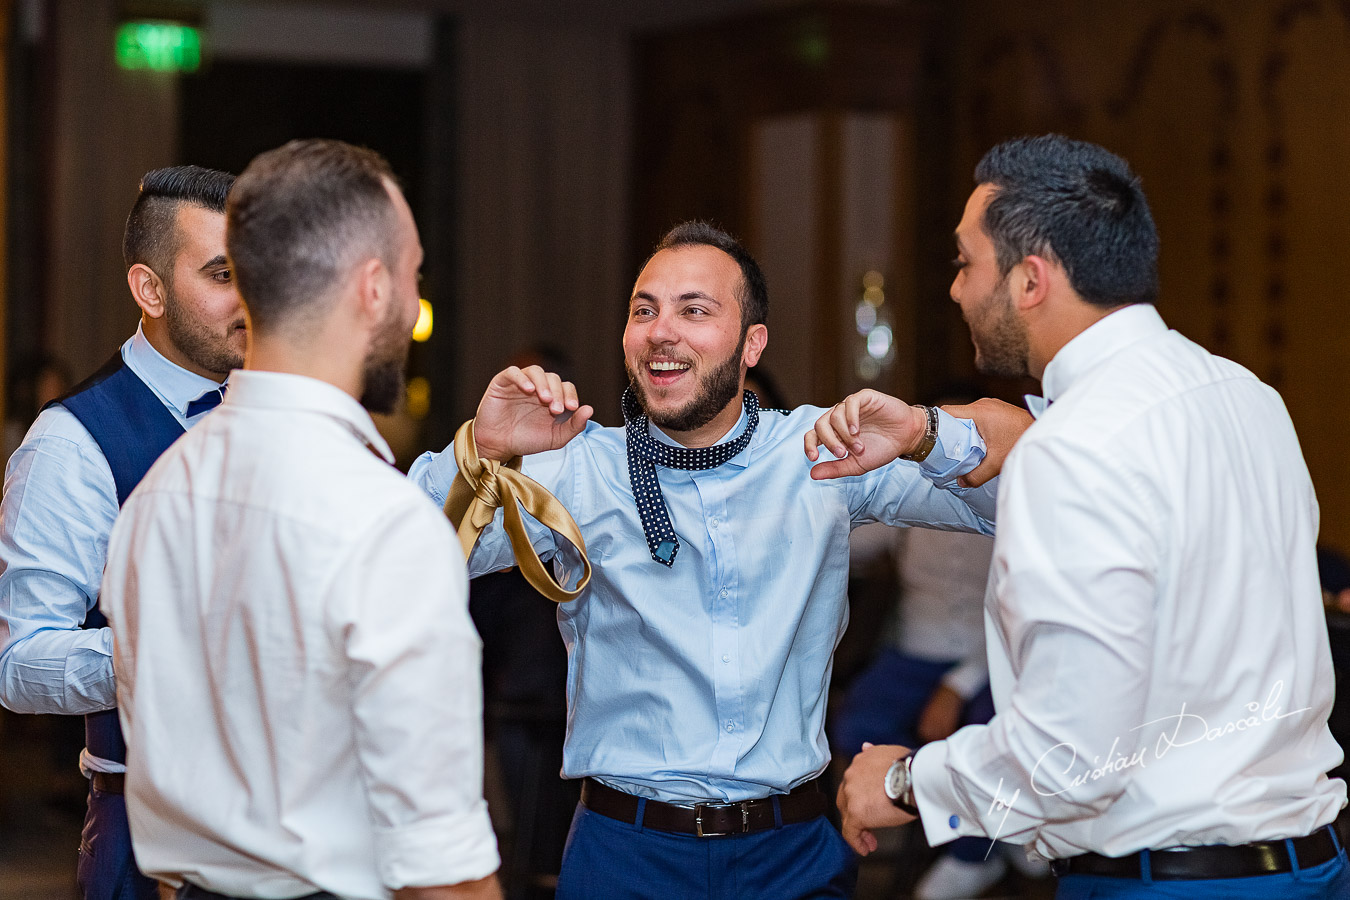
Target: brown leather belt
{"points": [[1215, 861], [708, 819], [110, 782]]}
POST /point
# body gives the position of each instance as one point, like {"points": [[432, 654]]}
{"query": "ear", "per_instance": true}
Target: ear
{"points": [[756, 339], [374, 290], [1031, 282], [147, 289]]}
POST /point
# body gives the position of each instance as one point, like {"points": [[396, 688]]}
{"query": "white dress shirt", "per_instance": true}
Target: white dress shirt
{"points": [[298, 678], [1157, 646]]}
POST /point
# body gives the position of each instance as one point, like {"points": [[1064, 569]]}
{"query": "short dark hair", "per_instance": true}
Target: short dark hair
{"points": [[299, 216], [754, 294], [152, 237], [1077, 203]]}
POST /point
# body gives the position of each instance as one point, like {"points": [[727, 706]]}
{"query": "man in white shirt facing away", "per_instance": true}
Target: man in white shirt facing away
{"points": [[1158, 652], [298, 677]]}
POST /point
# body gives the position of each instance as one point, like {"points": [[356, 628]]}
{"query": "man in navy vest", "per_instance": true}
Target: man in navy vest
{"points": [[80, 460]]}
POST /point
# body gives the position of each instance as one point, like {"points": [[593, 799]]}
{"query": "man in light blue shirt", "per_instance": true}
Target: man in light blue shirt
{"points": [[65, 483], [699, 658]]}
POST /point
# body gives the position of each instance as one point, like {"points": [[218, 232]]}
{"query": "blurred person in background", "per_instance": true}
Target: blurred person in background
{"points": [[31, 383], [65, 484], [930, 676]]}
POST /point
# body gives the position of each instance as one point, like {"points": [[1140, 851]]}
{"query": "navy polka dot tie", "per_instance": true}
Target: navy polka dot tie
{"points": [[645, 453]]}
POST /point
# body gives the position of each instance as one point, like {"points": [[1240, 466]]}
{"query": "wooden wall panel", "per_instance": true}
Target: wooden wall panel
{"points": [[1233, 112]]}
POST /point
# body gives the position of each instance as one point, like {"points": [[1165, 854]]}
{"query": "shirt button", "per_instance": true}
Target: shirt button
{"points": [[723, 593], [726, 657], [713, 521], [730, 726], [954, 821]]}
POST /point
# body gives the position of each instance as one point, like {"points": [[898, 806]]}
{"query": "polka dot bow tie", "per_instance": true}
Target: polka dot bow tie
{"points": [[645, 453]]}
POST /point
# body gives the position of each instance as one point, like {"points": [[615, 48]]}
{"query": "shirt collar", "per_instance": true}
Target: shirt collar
{"points": [[174, 384], [1097, 343], [251, 388], [741, 459]]}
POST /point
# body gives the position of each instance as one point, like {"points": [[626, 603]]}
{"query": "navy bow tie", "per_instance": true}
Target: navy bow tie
{"points": [[206, 402], [645, 453]]}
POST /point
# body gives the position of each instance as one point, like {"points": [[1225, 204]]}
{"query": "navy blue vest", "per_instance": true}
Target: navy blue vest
{"points": [[132, 427]]}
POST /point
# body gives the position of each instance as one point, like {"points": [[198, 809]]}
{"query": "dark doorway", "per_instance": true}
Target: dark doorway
{"points": [[234, 110]]}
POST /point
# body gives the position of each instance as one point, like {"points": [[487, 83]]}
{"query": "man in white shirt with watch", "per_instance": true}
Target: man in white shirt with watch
{"points": [[1158, 653]]}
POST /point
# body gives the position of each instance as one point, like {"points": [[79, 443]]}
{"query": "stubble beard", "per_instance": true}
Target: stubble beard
{"points": [[384, 375], [718, 388], [1000, 338], [197, 342]]}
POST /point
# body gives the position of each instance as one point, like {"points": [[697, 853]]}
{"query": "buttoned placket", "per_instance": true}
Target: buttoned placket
{"points": [[713, 487]]}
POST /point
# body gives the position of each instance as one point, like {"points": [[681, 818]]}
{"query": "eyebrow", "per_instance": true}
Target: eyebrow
{"points": [[686, 296], [213, 262]]}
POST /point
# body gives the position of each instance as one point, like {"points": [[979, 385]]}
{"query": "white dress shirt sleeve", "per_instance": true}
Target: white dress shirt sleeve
{"points": [[1077, 616], [59, 504], [417, 701]]}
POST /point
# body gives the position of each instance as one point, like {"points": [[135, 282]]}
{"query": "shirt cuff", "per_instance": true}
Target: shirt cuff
{"points": [[447, 850], [940, 810], [959, 449], [434, 473]]}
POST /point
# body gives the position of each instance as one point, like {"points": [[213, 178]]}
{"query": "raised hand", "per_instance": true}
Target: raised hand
{"points": [[865, 430], [1000, 424], [527, 411]]}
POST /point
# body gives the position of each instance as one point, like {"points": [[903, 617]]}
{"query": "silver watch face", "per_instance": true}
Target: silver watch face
{"points": [[895, 779]]}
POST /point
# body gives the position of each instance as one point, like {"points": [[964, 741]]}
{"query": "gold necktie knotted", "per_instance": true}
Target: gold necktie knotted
{"points": [[482, 485]]}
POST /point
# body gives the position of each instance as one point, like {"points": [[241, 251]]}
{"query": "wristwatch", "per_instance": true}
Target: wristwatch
{"points": [[900, 785], [930, 436]]}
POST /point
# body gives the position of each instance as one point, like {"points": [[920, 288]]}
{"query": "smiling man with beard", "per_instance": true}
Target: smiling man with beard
{"points": [[298, 675], [700, 651]]}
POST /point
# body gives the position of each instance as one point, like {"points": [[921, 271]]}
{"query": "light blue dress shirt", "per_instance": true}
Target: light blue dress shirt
{"points": [[58, 508], [708, 680]]}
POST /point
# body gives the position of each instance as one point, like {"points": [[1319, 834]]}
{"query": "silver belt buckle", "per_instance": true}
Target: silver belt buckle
{"points": [[698, 819]]}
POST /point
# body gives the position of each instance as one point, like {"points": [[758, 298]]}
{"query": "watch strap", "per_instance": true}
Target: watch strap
{"points": [[930, 437]]}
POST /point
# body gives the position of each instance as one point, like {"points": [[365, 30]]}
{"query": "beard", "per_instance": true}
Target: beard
{"points": [[716, 389], [194, 339], [999, 336], [384, 374]]}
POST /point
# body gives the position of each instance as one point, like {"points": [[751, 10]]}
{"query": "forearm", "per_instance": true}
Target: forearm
{"points": [[481, 889], [417, 695], [960, 450], [59, 671]]}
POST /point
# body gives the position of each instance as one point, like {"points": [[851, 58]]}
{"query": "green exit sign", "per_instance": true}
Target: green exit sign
{"points": [[159, 46]]}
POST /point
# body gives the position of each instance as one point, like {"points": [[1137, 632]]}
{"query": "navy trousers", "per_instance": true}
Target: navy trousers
{"points": [[107, 868], [607, 859], [1329, 881]]}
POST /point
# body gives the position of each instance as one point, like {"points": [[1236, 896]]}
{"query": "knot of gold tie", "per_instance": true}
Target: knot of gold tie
{"points": [[482, 485]]}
